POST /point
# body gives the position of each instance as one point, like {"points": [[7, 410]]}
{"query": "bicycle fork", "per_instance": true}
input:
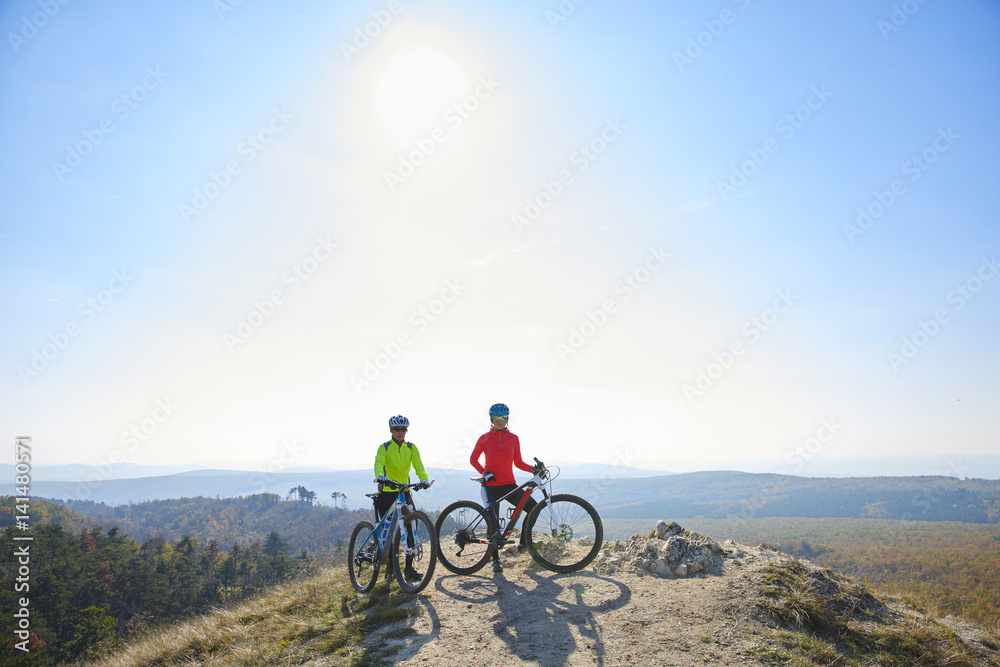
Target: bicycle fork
{"points": [[409, 539], [406, 533]]}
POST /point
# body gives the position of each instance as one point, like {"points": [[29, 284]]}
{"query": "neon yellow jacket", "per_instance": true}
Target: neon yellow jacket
{"points": [[394, 460]]}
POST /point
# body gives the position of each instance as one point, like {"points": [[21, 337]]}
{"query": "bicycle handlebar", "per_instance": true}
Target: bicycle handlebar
{"points": [[396, 486], [543, 473]]}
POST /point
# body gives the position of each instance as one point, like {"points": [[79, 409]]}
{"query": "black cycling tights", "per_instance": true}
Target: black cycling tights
{"points": [[499, 491]]}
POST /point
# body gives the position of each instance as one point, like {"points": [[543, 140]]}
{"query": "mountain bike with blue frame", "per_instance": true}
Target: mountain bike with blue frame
{"points": [[403, 534], [564, 532]]}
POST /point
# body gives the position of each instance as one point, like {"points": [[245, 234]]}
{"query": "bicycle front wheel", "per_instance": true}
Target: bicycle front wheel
{"points": [[564, 533], [362, 557], [463, 531], [414, 569]]}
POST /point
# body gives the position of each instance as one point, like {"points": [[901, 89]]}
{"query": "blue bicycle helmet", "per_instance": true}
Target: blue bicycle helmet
{"points": [[499, 410], [399, 420]]}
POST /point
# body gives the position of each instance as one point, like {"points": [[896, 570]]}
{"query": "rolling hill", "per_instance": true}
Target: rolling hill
{"points": [[713, 495]]}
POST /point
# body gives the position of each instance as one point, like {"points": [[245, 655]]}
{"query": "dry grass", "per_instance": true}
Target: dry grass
{"points": [[316, 621], [825, 619], [832, 620]]}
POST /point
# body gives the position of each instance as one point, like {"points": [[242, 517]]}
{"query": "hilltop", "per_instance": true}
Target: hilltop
{"points": [[748, 606]]}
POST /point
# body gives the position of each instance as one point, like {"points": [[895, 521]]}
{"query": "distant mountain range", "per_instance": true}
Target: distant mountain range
{"points": [[616, 492], [77, 482], [76, 472], [980, 467]]}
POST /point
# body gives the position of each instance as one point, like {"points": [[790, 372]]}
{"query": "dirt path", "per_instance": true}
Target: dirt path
{"points": [[528, 615]]}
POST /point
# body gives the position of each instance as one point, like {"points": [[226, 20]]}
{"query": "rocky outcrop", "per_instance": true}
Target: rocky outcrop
{"points": [[669, 551]]}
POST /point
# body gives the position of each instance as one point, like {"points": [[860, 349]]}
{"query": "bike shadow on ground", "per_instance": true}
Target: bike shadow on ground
{"points": [[537, 621], [398, 639]]}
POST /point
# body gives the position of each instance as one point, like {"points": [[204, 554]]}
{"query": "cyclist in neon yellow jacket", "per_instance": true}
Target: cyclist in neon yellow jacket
{"points": [[392, 462]]}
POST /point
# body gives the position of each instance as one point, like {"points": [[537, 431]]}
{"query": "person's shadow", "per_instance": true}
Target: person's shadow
{"points": [[535, 621]]}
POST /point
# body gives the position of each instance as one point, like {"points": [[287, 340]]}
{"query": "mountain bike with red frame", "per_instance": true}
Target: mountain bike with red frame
{"points": [[564, 532]]}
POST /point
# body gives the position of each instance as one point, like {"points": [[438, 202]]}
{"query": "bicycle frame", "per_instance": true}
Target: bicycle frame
{"points": [[534, 483], [390, 523], [398, 541]]}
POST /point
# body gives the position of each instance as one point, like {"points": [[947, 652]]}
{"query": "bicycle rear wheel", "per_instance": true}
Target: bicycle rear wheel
{"points": [[423, 556], [564, 533], [362, 557], [463, 529]]}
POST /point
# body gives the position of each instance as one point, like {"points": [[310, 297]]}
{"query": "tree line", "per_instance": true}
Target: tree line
{"points": [[228, 521], [721, 495], [89, 591]]}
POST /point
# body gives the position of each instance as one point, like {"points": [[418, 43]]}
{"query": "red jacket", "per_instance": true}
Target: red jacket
{"points": [[503, 451]]}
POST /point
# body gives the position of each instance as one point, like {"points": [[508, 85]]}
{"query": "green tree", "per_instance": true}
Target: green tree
{"points": [[275, 545], [94, 632]]}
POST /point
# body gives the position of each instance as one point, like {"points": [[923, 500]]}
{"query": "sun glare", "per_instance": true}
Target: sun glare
{"points": [[415, 91]]}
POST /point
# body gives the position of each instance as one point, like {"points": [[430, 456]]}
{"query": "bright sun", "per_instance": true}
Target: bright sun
{"points": [[415, 90]]}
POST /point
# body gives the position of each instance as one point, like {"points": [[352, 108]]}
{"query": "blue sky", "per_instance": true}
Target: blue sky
{"points": [[229, 228]]}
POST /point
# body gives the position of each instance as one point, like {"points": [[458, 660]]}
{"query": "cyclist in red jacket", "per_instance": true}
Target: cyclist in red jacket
{"points": [[503, 451]]}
